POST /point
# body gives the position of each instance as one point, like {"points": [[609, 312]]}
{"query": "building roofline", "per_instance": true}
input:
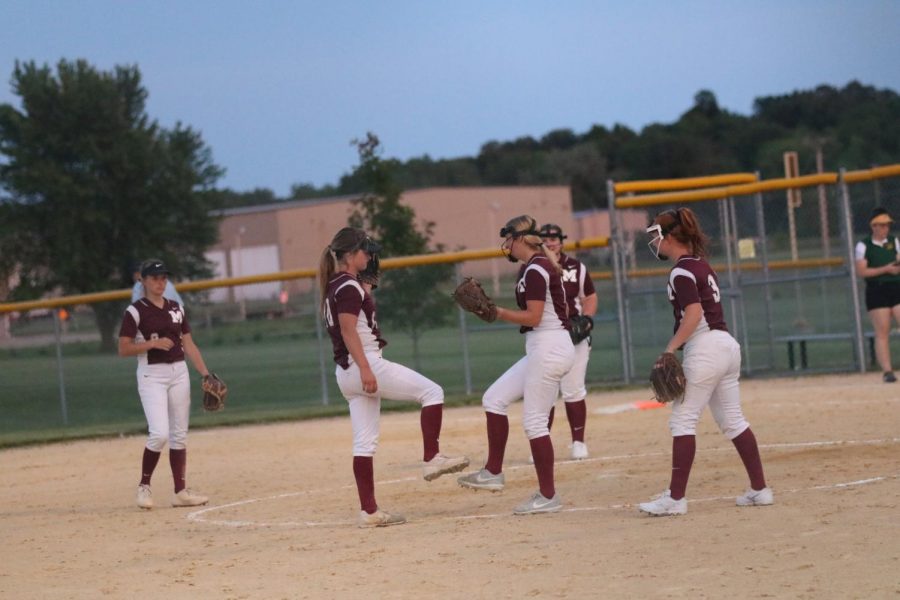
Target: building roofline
{"points": [[273, 206]]}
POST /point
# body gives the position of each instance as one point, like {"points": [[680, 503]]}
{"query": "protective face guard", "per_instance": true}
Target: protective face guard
{"points": [[656, 237], [510, 233], [549, 232]]}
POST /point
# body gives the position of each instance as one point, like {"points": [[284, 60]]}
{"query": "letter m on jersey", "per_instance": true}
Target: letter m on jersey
{"points": [[570, 275]]}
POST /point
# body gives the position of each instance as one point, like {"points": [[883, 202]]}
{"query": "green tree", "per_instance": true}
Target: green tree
{"points": [[93, 184], [408, 299]]}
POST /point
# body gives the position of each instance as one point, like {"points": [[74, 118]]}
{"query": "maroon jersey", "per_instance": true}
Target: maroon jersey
{"points": [[144, 321], [346, 295], [538, 280], [576, 282], [692, 280]]}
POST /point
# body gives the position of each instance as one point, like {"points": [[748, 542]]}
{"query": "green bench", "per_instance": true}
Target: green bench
{"points": [[801, 339]]}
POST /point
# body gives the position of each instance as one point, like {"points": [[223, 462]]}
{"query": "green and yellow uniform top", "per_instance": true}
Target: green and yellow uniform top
{"points": [[879, 254]]}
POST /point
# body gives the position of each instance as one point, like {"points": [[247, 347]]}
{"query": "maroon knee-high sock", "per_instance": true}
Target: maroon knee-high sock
{"points": [[178, 462], [148, 464], [430, 419], [550, 418], [683, 449], [542, 451], [498, 433], [577, 415], [749, 451], [364, 472]]}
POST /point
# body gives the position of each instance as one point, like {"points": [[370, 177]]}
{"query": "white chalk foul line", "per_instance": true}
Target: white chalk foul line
{"points": [[198, 516], [614, 409]]}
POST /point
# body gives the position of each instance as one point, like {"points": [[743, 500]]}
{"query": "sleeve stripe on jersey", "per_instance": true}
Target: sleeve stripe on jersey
{"points": [[541, 270], [131, 310], [355, 284], [679, 272]]}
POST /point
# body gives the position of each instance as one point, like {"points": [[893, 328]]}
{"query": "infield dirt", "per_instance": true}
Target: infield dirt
{"points": [[281, 519]]}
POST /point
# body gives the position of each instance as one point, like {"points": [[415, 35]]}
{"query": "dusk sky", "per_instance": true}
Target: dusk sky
{"points": [[279, 89]]}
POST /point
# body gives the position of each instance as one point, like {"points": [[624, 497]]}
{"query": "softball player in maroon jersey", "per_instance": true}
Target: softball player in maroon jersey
{"points": [[364, 376], [156, 330], [581, 299], [712, 362], [536, 377]]}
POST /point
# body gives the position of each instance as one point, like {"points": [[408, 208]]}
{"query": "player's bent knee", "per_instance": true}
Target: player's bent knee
{"points": [[495, 403], [156, 441], [433, 395], [680, 427], [365, 448], [732, 430], [535, 426]]}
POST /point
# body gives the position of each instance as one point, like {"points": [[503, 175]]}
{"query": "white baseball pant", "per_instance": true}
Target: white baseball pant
{"points": [[712, 367], [395, 382], [165, 391], [535, 377], [572, 385]]}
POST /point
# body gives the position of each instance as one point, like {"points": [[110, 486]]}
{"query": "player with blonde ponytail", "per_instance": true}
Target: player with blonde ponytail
{"points": [[549, 354]]}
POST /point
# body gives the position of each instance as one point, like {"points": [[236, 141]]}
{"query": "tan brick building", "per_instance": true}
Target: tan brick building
{"points": [[292, 235]]}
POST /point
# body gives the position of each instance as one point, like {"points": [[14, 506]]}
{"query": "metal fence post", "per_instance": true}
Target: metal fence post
{"points": [[847, 231], [59, 368], [764, 259], [464, 336], [619, 277]]}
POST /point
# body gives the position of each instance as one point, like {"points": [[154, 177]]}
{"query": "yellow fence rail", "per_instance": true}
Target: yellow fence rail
{"points": [[745, 189], [205, 284]]}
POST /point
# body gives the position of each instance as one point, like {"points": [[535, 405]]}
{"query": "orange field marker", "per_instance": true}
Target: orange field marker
{"points": [[647, 404]]}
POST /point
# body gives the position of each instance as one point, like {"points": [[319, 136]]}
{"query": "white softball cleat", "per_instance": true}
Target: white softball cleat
{"points": [[579, 451], [751, 497], [442, 465], [483, 480], [144, 497], [664, 506], [187, 497], [379, 518], [537, 503]]}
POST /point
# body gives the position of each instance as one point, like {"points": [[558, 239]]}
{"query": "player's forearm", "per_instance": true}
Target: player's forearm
{"points": [[193, 353], [128, 347], [355, 347], [530, 317], [589, 305]]}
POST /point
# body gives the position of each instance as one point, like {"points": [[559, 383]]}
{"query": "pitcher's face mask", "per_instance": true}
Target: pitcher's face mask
{"points": [[656, 237], [510, 236]]}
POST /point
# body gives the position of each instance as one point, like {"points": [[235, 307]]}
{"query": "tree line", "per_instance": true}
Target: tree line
{"points": [[856, 126]]}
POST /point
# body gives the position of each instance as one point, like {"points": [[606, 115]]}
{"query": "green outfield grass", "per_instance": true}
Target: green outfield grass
{"points": [[273, 370]]}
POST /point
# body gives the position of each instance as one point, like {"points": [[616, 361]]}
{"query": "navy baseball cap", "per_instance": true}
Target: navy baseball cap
{"points": [[154, 266]]}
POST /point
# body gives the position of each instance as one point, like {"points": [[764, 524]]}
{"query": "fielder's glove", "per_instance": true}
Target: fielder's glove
{"points": [[371, 273], [580, 327], [471, 297], [214, 393], [667, 378]]}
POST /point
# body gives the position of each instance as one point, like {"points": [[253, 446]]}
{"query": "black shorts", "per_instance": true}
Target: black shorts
{"points": [[882, 295]]}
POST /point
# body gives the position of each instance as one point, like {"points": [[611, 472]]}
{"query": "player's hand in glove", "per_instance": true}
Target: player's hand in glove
{"points": [[667, 378], [371, 273], [580, 327], [471, 297], [214, 393]]}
